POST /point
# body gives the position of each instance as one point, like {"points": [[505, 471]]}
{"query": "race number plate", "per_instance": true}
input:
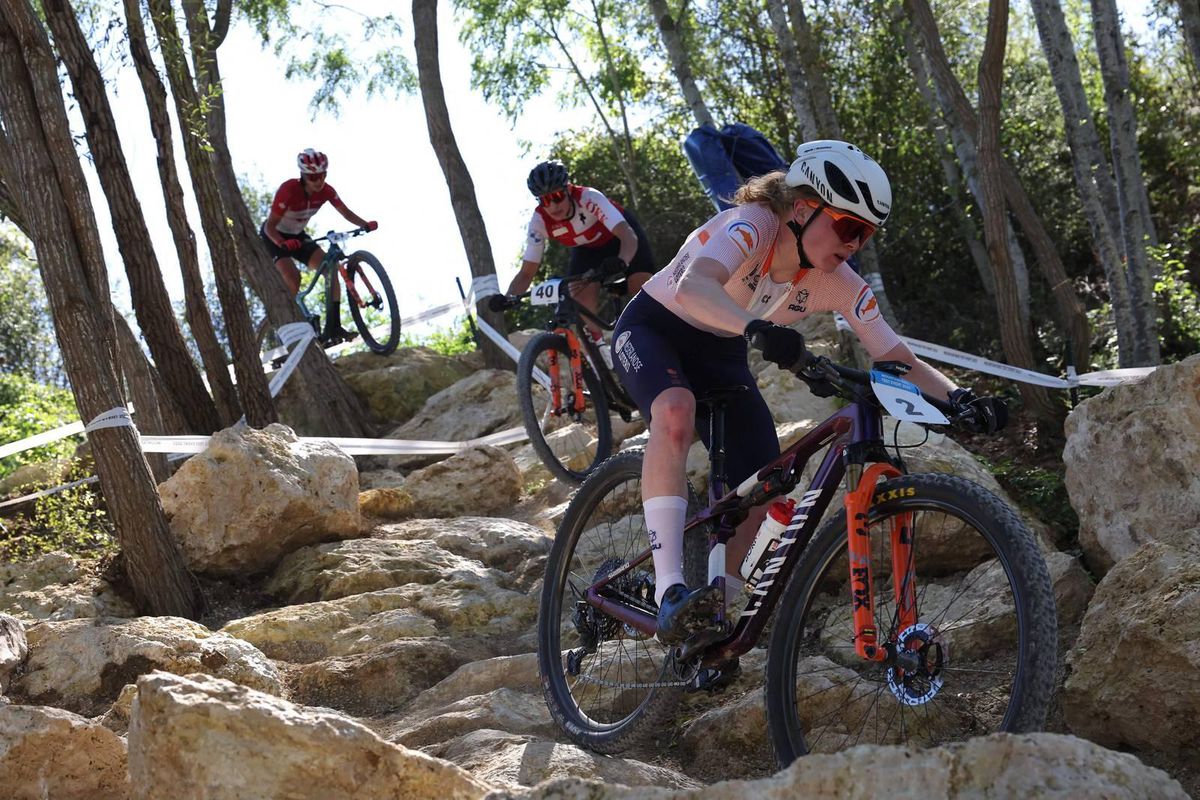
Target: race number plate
{"points": [[902, 400], [546, 294]]}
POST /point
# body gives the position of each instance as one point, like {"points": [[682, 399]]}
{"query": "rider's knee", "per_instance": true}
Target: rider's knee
{"points": [[674, 414]]}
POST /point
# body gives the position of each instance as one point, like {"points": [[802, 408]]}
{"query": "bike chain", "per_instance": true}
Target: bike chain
{"points": [[621, 685]]}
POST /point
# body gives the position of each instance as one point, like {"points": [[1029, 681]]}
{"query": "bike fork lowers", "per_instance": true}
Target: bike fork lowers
{"points": [[576, 359], [861, 488]]}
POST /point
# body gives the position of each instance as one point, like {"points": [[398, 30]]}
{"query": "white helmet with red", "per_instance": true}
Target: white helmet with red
{"points": [[845, 177], [312, 162]]}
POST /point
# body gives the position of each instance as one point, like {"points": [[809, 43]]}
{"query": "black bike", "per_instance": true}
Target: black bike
{"points": [[370, 306], [565, 387]]}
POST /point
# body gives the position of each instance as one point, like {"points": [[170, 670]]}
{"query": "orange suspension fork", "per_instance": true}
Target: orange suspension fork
{"points": [[576, 368], [862, 590]]}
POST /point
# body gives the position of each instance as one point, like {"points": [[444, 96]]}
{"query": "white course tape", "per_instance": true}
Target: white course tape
{"points": [[113, 418], [296, 335], [481, 287], [39, 439], [352, 446], [48, 492], [948, 355]]}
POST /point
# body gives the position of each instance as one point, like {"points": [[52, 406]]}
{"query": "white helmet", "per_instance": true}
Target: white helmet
{"points": [[845, 177]]}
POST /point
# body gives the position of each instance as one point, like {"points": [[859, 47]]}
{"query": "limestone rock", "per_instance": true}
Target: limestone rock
{"points": [[396, 386], [502, 709], [477, 482], [200, 737], [1135, 670], [255, 495], [82, 665], [57, 586], [391, 502], [512, 760], [13, 648], [51, 753], [1130, 462], [1041, 765]]}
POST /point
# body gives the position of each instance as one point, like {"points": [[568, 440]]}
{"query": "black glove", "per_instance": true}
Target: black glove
{"points": [[983, 414], [780, 345], [502, 302], [612, 266]]}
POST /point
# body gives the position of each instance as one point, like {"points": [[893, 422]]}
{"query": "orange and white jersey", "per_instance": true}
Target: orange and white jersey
{"points": [[741, 240], [590, 225]]}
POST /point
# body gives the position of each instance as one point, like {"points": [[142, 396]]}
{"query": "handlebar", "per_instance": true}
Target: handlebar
{"points": [[336, 236], [594, 275]]}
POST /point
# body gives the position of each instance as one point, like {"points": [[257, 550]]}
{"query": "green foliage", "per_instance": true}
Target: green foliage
{"points": [[1043, 491], [28, 407], [1177, 299], [27, 343], [452, 341], [73, 520]]}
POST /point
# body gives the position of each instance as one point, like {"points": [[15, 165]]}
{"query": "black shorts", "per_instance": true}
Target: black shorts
{"points": [[584, 258], [307, 245], [654, 350]]}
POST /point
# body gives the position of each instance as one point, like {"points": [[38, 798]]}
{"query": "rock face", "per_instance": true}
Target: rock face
{"points": [[1130, 462], [53, 586], [47, 752], [13, 648], [1135, 669], [395, 386], [477, 482], [255, 495], [1041, 765], [199, 737], [82, 665]]}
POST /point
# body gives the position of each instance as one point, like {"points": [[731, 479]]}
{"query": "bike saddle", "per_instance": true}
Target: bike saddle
{"points": [[720, 394]]}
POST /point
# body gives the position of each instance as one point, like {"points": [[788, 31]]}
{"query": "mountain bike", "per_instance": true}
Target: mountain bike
{"points": [[370, 306], [565, 389], [921, 613]]}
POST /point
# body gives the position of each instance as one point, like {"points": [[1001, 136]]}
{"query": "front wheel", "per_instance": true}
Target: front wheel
{"points": [[979, 656], [607, 685], [570, 443], [372, 302]]}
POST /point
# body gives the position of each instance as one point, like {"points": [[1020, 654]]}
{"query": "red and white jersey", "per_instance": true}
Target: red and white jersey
{"points": [[295, 208], [741, 239], [590, 226]]}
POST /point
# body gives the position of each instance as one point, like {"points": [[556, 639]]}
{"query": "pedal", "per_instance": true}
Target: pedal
{"points": [[573, 661]]}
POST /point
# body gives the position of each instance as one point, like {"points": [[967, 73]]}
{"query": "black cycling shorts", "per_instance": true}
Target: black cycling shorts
{"points": [[307, 245], [654, 350], [584, 258]]}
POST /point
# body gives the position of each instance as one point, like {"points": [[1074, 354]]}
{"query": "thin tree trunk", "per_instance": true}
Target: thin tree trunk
{"points": [[1013, 335], [950, 170], [1189, 20], [630, 160], [8, 204], [1093, 176], [813, 64], [1071, 315], [458, 178], [251, 383], [151, 303], [40, 155], [1137, 229], [195, 303], [320, 386], [140, 390], [680, 64], [797, 83]]}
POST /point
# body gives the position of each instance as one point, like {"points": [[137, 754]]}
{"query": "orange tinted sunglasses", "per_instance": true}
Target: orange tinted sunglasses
{"points": [[554, 197], [847, 227]]}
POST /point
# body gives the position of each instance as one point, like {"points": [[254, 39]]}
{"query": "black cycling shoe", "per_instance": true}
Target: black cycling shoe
{"points": [[682, 613], [336, 336]]}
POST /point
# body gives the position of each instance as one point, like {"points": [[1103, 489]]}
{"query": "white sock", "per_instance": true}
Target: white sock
{"points": [[664, 522]]}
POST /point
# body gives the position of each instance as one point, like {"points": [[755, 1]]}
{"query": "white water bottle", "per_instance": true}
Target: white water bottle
{"points": [[767, 538]]}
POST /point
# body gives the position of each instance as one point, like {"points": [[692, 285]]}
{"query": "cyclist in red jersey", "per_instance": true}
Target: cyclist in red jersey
{"points": [[598, 231], [296, 201], [742, 278]]}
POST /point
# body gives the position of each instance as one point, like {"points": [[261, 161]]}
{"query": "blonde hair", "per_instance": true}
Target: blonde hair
{"points": [[773, 190]]}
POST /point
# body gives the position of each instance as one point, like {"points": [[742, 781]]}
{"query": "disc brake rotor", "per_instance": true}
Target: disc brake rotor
{"points": [[917, 673]]}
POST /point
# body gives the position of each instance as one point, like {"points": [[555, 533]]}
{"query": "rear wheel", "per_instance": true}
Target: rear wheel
{"points": [[607, 684], [371, 303], [570, 443], [979, 657]]}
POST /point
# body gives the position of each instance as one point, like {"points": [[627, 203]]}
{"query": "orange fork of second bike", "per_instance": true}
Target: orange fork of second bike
{"points": [[862, 590], [576, 371], [350, 290]]}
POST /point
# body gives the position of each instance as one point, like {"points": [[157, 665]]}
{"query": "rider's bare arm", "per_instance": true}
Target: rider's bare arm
{"points": [[272, 227], [629, 241], [702, 294], [928, 379], [347, 213], [523, 278]]}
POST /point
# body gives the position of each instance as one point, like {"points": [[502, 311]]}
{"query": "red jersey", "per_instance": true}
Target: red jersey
{"points": [[295, 208], [590, 224]]}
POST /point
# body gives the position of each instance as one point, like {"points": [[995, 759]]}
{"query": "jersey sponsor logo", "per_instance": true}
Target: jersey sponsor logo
{"points": [[801, 303], [591, 206], [621, 340], [703, 237], [744, 236], [560, 231], [866, 308]]}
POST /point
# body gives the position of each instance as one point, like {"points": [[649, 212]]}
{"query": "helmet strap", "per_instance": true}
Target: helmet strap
{"points": [[798, 229]]}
